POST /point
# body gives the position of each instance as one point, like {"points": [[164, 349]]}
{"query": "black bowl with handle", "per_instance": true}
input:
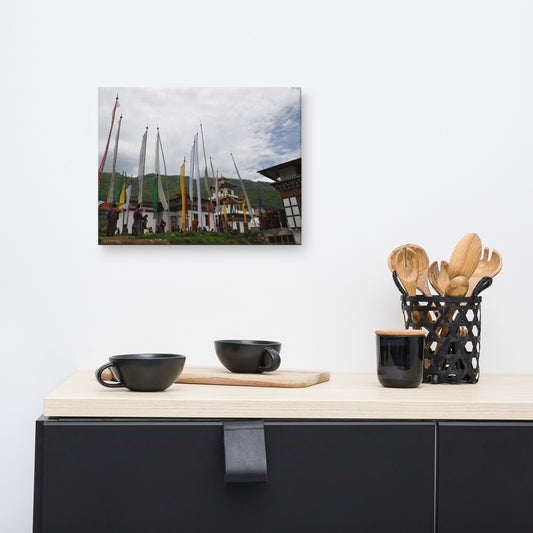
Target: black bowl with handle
{"points": [[249, 356], [143, 372]]}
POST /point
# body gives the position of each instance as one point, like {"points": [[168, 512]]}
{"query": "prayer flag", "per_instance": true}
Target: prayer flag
{"points": [[154, 197], [216, 194], [191, 169], [225, 212], [197, 172], [160, 192], [122, 197], [112, 181], [183, 196], [117, 195], [102, 163], [128, 196], [142, 159], [157, 153]]}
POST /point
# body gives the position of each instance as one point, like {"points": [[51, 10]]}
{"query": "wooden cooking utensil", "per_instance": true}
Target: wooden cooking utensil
{"points": [[458, 287], [439, 279], [423, 263], [486, 267], [465, 256], [406, 265]]}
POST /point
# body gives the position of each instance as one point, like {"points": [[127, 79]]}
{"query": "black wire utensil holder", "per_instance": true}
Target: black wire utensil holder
{"points": [[453, 326]]}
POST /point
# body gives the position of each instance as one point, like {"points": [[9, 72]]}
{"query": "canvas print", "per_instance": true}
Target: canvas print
{"points": [[199, 166]]}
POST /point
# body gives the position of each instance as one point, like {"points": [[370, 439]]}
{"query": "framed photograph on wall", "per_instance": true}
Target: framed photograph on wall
{"points": [[199, 166]]}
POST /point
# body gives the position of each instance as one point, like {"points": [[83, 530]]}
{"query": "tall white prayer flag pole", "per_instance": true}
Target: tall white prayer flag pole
{"points": [[191, 181], [102, 163], [142, 160], [128, 197], [111, 190], [205, 160], [165, 174], [160, 192], [197, 172], [245, 194], [216, 193]]}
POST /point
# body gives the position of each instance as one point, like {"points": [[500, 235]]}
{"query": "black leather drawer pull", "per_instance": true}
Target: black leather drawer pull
{"points": [[245, 452]]}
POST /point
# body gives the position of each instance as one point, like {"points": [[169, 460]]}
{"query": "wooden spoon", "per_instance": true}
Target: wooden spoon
{"points": [[486, 267], [457, 287], [423, 263], [439, 279], [465, 256]]}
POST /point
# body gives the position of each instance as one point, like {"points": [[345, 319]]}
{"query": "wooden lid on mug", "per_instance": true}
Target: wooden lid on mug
{"points": [[400, 332]]}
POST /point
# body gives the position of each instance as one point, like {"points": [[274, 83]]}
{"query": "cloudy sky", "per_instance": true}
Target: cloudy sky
{"points": [[260, 126]]}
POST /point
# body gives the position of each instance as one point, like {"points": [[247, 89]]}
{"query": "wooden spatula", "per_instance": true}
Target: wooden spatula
{"points": [[465, 256]]}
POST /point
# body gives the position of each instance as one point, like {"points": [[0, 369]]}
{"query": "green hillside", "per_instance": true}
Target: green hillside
{"points": [[270, 198]]}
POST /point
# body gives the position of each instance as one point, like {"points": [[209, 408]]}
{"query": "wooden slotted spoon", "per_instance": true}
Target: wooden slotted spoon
{"points": [[486, 267], [439, 279], [423, 263], [406, 265]]}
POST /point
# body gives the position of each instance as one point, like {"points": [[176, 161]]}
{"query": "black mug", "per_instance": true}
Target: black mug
{"points": [[250, 357], [400, 354], [143, 372]]}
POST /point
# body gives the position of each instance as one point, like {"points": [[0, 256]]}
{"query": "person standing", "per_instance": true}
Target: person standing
{"points": [[112, 219], [137, 228]]}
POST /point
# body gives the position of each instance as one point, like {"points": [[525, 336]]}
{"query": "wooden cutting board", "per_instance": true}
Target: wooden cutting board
{"points": [[220, 376]]}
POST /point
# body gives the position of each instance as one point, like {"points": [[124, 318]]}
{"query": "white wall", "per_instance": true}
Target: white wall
{"points": [[420, 114]]}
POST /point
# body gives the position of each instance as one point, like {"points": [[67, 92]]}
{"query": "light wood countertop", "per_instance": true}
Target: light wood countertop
{"points": [[345, 396]]}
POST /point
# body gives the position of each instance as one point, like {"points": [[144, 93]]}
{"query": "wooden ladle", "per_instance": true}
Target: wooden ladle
{"points": [[486, 267], [423, 264], [439, 279], [465, 256]]}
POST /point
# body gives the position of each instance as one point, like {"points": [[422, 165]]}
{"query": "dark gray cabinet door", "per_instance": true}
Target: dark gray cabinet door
{"points": [[485, 477], [133, 476]]}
